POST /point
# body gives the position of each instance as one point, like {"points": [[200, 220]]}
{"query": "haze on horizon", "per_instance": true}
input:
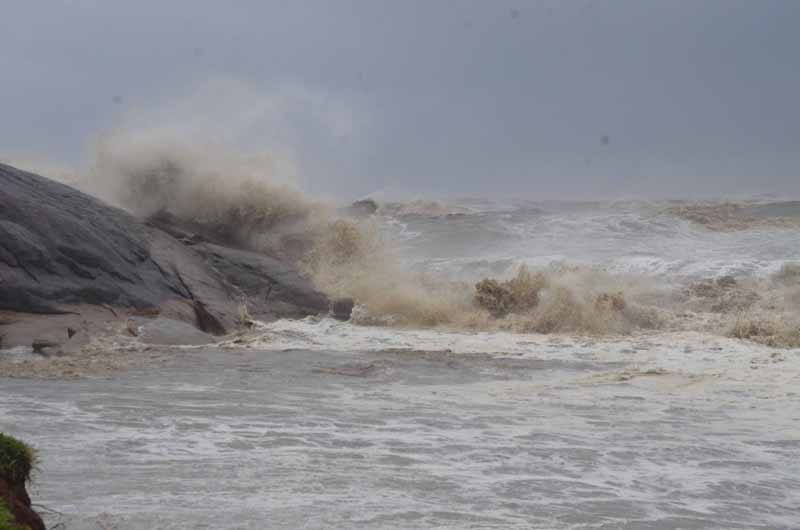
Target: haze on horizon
{"points": [[542, 98]]}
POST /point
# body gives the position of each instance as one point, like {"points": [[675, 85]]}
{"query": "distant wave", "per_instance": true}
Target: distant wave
{"points": [[729, 217]]}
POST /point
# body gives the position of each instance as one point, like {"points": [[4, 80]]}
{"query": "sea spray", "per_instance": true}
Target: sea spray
{"points": [[246, 201]]}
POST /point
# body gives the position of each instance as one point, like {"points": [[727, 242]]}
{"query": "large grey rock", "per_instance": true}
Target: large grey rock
{"points": [[62, 250], [59, 246]]}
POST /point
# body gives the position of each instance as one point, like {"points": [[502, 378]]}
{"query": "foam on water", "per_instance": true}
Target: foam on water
{"points": [[685, 352], [661, 431]]}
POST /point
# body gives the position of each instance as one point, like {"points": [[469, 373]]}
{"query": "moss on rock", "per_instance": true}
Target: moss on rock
{"points": [[17, 460]]}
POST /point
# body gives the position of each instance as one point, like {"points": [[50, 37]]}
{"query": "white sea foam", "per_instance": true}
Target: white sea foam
{"points": [[507, 431], [690, 353]]}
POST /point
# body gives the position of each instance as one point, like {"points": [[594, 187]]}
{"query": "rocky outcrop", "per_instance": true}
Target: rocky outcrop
{"points": [[63, 252]]}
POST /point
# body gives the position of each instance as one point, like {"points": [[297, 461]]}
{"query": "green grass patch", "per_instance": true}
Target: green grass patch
{"points": [[7, 519], [17, 460]]}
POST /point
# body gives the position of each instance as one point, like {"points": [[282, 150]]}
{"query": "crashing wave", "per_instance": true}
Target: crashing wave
{"points": [[243, 201]]}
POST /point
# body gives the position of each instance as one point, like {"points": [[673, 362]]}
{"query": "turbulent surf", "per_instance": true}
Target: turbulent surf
{"points": [[484, 263]]}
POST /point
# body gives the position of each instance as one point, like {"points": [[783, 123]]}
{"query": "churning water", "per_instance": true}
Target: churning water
{"points": [[324, 424], [569, 435]]}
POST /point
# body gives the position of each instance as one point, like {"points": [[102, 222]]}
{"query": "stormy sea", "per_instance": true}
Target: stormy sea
{"points": [[510, 363]]}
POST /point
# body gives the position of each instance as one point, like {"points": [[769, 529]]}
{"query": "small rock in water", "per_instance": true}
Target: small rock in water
{"points": [[43, 347], [342, 308], [362, 208]]}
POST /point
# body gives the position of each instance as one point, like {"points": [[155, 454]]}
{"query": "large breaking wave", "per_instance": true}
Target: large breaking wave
{"points": [[478, 263]]}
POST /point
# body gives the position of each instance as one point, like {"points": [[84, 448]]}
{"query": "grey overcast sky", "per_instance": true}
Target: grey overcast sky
{"points": [[545, 98]]}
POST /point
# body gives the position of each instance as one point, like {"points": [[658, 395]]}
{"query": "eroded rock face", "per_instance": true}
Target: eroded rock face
{"points": [[18, 502]]}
